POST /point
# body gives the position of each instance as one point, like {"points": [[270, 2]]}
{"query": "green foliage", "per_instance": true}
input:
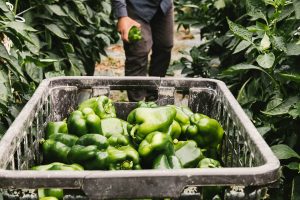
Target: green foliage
{"points": [[257, 55], [57, 38], [73, 32]]}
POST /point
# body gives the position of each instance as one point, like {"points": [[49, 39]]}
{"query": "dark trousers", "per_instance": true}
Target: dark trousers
{"points": [[158, 37]]}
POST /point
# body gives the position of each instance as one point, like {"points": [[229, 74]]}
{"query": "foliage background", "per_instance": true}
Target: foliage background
{"points": [[57, 38], [254, 47]]}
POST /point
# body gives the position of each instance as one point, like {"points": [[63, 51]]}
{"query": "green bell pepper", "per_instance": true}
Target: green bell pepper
{"points": [[90, 151], [157, 150], [55, 193], [64, 138], [80, 154], [56, 127], [211, 192], [163, 161], [148, 120], [150, 104], [51, 193], [182, 116], [174, 130], [48, 198], [155, 143], [188, 153], [116, 131], [99, 162], [134, 34], [207, 132], [102, 106], [54, 151], [83, 122], [209, 163], [93, 139], [123, 158]]}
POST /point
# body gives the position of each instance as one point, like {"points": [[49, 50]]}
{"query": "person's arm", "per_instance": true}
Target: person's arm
{"points": [[124, 22], [119, 7]]}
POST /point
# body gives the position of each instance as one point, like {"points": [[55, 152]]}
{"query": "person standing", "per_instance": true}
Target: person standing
{"points": [[155, 19]]}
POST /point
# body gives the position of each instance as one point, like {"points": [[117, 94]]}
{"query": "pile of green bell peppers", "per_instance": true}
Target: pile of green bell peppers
{"points": [[152, 137]]}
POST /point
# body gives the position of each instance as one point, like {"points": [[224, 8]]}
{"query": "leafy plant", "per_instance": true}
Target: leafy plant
{"points": [[56, 38], [16, 87], [73, 32], [257, 56]]}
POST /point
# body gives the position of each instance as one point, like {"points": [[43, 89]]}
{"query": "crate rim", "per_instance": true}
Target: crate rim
{"points": [[268, 172]]}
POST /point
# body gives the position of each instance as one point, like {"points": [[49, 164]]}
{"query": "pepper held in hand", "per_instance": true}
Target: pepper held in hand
{"points": [[134, 34]]}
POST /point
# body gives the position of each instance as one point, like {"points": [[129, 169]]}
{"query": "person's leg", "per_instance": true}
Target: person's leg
{"points": [[162, 35], [137, 56]]}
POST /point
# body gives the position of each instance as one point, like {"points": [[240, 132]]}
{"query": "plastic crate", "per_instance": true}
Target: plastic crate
{"points": [[249, 164]]}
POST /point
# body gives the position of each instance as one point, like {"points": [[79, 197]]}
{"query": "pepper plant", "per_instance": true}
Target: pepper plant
{"points": [[257, 54]]}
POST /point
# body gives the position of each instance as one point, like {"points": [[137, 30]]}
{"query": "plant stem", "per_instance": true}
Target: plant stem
{"points": [[15, 7], [24, 11]]}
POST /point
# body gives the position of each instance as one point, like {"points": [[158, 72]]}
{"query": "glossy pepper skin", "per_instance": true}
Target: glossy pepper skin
{"points": [[64, 138], [164, 161], [157, 151], [148, 120], [209, 163], [93, 139], [123, 158], [211, 192], [116, 131], [55, 193], [207, 132], [182, 116], [188, 153], [134, 34], [150, 104], [54, 151], [174, 130], [80, 154], [83, 122], [56, 127], [90, 151], [102, 106]]}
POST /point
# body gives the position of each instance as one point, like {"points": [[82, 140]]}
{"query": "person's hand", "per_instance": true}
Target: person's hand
{"points": [[124, 25]]}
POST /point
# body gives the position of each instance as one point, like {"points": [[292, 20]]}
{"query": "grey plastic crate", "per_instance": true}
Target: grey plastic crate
{"points": [[249, 164]]}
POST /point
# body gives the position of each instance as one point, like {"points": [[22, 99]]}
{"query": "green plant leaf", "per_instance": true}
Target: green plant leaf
{"points": [[296, 4], [293, 49], [266, 60], [240, 31], [54, 74], [3, 52], [263, 130], [256, 9], [294, 166], [81, 7], [56, 9], [278, 43], [281, 108], [291, 76], [265, 42], [241, 46], [20, 27], [283, 152], [219, 4], [34, 72], [236, 69], [3, 6], [57, 31]]}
